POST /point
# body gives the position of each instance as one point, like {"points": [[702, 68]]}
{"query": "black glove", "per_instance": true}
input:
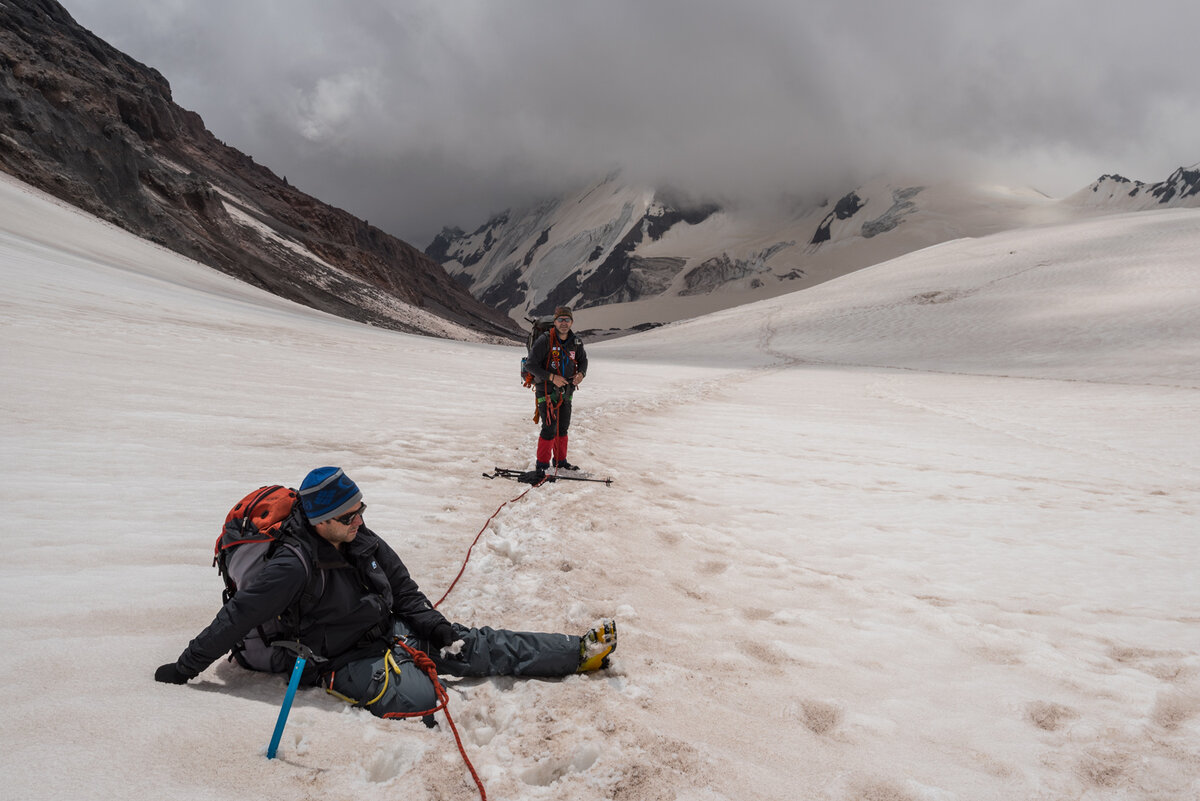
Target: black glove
{"points": [[171, 674], [442, 635]]}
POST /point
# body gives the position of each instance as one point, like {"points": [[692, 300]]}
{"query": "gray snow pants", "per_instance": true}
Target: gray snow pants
{"points": [[396, 685]]}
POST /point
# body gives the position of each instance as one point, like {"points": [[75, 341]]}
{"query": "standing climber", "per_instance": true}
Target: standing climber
{"points": [[558, 363]]}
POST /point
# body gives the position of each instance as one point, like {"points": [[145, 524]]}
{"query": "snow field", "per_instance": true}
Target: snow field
{"points": [[924, 532]]}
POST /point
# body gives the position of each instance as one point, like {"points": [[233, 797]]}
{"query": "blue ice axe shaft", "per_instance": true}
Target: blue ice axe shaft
{"points": [[302, 656]]}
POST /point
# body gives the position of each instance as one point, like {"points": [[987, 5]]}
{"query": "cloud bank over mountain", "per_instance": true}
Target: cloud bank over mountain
{"points": [[426, 114]]}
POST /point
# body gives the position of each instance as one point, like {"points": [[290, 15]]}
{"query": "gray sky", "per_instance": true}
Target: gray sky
{"points": [[423, 114]]}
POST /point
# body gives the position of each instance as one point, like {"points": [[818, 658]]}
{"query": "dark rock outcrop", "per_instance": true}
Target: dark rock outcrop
{"points": [[1182, 183], [721, 270], [1178, 190], [845, 208], [92, 126], [902, 206], [622, 277]]}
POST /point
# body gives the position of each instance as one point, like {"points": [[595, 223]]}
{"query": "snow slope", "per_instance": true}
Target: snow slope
{"points": [[924, 532]]}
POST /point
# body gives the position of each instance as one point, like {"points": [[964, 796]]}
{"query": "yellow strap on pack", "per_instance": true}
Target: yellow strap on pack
{"points": [[389, 665]]}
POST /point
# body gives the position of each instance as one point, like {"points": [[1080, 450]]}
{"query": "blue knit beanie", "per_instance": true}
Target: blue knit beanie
{"points": [[328, 492]]}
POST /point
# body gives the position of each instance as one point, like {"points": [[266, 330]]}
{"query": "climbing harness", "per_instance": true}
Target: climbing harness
{"points": [[552, 400]]}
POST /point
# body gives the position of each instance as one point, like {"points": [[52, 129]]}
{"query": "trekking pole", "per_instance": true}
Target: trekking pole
{"points": [[303, 654], [507, 472]]}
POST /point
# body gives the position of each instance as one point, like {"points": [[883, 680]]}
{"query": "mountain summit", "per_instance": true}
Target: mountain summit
{"points": [[1182, 188]]}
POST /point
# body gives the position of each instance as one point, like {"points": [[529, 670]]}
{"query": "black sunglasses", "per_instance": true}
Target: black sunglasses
{"points": [[348, 518]]}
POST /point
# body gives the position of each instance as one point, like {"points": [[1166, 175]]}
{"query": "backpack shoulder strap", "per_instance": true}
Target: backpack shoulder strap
{"points": [[314, 588], [551, 338], [314, 585]]}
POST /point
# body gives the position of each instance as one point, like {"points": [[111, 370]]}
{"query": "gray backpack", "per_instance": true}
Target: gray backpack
{"points": [[252, 534]]}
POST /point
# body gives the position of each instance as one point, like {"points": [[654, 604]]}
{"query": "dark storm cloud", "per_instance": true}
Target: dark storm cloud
{"points": [[416, 115]]}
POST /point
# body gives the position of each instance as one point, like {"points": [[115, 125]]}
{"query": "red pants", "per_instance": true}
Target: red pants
{"points": [[557, 446], [553, 439]]}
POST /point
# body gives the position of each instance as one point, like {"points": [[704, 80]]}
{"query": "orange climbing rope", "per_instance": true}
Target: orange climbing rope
{"points": [[476, 541], [422, 660]]}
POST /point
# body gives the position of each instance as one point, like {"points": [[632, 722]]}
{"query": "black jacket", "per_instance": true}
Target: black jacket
{"points": [[566, 358], [341, 611]]}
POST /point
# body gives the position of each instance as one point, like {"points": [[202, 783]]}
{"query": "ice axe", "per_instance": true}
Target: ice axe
{"points": [[303, 654]]}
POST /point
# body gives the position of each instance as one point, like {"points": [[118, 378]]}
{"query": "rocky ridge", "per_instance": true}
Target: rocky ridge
{"points": [[1181, 188], [97, 129]]}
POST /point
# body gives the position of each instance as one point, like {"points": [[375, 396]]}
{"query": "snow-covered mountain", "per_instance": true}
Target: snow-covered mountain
{"points": [[634, 255], [1182, 188]]}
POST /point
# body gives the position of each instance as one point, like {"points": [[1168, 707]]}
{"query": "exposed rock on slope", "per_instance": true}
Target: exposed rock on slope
{"points": [[99, 130], [1182, 187]]}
